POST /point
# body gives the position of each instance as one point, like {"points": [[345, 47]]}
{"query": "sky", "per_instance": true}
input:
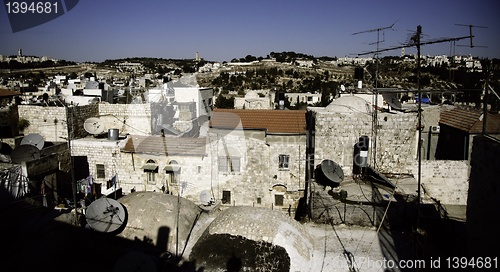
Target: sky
{"points": [[221, 30]]}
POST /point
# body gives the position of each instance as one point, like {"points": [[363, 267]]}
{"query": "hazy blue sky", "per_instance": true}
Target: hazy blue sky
{"points": [[221, 30]]}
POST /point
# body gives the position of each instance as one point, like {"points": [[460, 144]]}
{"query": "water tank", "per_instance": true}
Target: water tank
{"points": [[360, 158], [113, 134]]}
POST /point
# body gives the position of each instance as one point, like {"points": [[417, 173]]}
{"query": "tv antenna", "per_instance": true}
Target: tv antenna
{"points": [[375, 102], [415, 40], [470, 34], [378, 30]]}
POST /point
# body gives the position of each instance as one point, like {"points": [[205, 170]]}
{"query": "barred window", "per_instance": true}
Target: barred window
{"points": [[229, 164], [100, 171], [284, 161]]}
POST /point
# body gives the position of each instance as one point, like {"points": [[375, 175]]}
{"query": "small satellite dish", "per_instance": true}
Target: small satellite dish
{"points": [[34, 139], [342, 87], [93, 126], [332, 171], [205, 197], [25, 153], [329, 173], [105, 215]]}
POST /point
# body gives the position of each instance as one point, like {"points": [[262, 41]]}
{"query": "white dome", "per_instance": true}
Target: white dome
{"points": [[349, 103]]}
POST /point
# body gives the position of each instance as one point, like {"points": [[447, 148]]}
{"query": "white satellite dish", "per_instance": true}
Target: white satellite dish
{"points": [[342, 87], [105, 215], [205, 197], [34, 139], [24, 153], [93, 126]]}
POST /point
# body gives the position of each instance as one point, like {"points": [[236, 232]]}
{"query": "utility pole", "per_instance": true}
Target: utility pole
{"points": [[69, 124], [416, 41]]}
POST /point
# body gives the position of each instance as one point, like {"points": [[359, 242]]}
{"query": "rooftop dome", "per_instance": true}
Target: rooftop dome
{"points": [[252, 94], [152, 216], [348, 104], [254, 239]]}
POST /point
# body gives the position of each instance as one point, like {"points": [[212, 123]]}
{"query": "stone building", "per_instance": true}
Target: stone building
{"points": [[261, 154], [248, 158], [338, 127], [146, 163], [52, 122]]}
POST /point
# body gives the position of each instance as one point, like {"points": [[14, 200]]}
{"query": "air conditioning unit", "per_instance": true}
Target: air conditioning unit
{"points": [[435, 129]]}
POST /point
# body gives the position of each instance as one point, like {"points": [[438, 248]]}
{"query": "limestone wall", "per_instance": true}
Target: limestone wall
{"points": [[133, 119], [337, 133], [445, 181], [260, 178], [51, 122]]}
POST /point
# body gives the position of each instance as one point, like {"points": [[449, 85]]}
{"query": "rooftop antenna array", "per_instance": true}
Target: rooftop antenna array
{"points": [[470, 35], [375, 102], [415, 40]]}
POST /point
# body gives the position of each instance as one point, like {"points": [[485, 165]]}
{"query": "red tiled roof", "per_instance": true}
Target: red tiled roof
{"points": [[165, 145], [8, 93], [470, 121], [273, 121]]}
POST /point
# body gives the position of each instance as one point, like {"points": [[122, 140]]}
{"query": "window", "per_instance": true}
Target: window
{"points": [[278, 200], [151, 169], [101, 173], [259, 200], [226, 197], [229, 164], [151, 177], [284, 161]]}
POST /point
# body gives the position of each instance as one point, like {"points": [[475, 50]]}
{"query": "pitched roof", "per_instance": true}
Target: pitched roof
{"points": [[273, 121], [470, 121], [165, 145]]}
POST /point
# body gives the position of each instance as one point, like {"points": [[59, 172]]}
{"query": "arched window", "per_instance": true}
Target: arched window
{"points": [[151, 168]]}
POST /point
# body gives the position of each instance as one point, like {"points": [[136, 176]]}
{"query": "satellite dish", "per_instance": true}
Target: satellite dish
{"points": [[25, 153], [93, 126], [105, 215], [342, 87], [34, 139], [329, 173], [205, 197]]}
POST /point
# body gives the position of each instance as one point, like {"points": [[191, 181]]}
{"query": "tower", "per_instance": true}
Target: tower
{"points": [[19, 52], [402, 52], [197, 56]]}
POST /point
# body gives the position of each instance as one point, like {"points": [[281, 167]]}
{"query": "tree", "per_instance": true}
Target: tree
{"points": [[224, 103]]}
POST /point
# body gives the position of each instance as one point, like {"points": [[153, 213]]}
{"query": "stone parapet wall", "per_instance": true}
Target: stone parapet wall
{"points": [[51, 122], [337, 133], [444, 181], [132, 119]]}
